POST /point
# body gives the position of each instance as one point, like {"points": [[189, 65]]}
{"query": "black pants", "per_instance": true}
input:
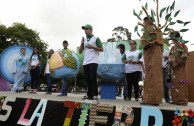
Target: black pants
{"points": [[133, 79], [34, 73], [90, 71], [166, 85]]}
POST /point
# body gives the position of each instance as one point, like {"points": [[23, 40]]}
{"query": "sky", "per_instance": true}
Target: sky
{"points": [[58, 20]]}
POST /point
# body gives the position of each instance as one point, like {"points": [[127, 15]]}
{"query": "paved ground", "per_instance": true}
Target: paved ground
{"points": [[77, 97]]}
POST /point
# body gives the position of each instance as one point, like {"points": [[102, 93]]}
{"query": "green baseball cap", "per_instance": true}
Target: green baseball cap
{"points": [[87, 26], [132, 42]]}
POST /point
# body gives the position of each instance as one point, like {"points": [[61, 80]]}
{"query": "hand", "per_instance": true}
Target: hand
{"points": [[133, 62], [90, 46], [82, 41]]}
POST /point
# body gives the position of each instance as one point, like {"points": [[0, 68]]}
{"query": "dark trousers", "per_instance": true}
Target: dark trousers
{"points": [[90, 71], [64, 87], [34, 73], [48, 79], [133, 79], [165, 85]]}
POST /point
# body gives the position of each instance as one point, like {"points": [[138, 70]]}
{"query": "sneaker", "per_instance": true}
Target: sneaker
{"points": [[95, 98], [61, 95], [86, 97], [137, 99], [18, 91], [48, 93], [126, 98]]}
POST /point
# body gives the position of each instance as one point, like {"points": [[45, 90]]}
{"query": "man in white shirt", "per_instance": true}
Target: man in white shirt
{"points": [[91, 46]]}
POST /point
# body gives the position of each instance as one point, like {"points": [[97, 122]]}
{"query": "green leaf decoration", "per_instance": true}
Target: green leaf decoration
{"points": [[172, 23], [166, 28], [170, 19], [146, 6], [136, 28], [152, 13], [167, 9], [134, 13], [176, 13], [143, 30], [161, 11], [172, 7], [179, 21], [138, 34], [184, 30], [140, 12], [167, 16], [186, 23]]}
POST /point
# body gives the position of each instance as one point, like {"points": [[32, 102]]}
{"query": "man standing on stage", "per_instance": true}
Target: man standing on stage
{"points": [[21, 70], [91, 46]]}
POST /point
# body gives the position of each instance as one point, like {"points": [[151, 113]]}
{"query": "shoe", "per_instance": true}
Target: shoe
{"points": [[137, 99], [95, 98], [18, 91], [126, 98], [61, 95], [148, 104], [48, 93], [87, 97]]}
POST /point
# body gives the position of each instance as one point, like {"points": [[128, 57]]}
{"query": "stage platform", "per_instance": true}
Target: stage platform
{"points": [[57, 108], [77, 98]]}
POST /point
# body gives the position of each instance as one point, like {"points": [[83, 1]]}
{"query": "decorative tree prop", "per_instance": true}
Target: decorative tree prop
{"points": [[155, 35], [152, 42]]}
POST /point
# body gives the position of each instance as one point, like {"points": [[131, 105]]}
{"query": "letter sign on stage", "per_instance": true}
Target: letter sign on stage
{"points": [[28, 122], [7, 108], [72, 105], [95, 118], [151, 111]]}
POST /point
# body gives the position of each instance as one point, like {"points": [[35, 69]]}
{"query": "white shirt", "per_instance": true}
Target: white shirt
{"points": [[164, 63], [90, 55], [34, 60], [134, 56]]}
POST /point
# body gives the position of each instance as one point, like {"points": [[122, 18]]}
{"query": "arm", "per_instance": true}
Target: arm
{"points": [[98, 46], [26, 67], [100, 49], [81, 48]]}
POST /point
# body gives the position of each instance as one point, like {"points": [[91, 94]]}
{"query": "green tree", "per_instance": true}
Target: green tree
{"points": [[120, 34], [20, 34]]}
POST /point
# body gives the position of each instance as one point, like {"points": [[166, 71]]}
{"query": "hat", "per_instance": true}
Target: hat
{"points": [[87, 26], [132, 41]]}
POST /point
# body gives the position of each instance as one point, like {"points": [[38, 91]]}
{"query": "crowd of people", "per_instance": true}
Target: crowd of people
{"points": [[136, 64]]}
